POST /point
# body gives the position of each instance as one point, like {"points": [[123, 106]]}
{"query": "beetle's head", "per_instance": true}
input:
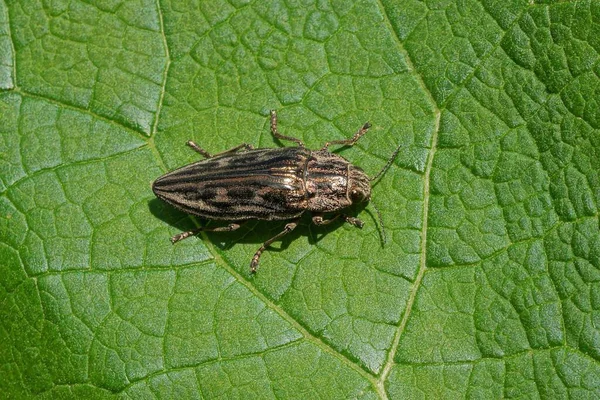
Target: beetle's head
{"points": [[359, 186]]}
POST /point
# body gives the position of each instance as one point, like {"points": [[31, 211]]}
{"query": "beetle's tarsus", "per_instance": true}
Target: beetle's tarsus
{"points": [[184, 235], [355, 221], [319, 220]]}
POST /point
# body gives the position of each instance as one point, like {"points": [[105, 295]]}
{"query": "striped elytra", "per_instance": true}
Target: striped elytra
{"points": [[256, 184]]}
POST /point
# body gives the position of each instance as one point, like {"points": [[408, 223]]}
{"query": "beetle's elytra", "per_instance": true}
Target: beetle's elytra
{"points": [[244, 183]]}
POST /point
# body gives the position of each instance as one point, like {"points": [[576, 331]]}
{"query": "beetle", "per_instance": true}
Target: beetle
{"points": [[244, 183]]}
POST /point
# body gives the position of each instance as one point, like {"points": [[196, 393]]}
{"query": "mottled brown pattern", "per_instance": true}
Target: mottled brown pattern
{"points": [[270, 184], [255, 184]]}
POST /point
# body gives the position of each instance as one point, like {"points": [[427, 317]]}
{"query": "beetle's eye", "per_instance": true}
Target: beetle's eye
{"points": [[356, 195]]}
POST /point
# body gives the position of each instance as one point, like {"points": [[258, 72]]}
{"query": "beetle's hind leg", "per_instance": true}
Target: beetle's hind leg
{"points": [[184, 235], [206, 154], [288, 228], [278, 135]]}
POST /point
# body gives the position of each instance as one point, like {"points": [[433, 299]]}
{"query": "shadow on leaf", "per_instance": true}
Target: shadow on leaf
{"points": [[251, 231]]}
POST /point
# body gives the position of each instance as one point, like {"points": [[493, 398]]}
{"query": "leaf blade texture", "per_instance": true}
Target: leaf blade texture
{"points": [[488, 286]]}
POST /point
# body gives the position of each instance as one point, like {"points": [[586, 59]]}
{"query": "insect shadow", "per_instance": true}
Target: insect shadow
{"points": [[170, 215], [251, 231]]}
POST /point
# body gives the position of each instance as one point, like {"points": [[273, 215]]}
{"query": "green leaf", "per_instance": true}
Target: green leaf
{"points": [[6, 51], [488, 287]]}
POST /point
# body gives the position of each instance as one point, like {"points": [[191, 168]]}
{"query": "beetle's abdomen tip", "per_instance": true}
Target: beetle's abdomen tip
{"points": [[160, 189], [156, 187]]}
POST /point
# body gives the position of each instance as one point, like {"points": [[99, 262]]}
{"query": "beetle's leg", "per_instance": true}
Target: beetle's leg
{"points": [[198, 149], [235, 149], [208, 155], [354, 221], [254, 263], [352, 141], [319, 220], [183, 235], [278, 135]]}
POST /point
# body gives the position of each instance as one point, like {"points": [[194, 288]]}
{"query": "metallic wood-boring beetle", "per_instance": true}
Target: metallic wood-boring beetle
{"points": [[244, 183]]}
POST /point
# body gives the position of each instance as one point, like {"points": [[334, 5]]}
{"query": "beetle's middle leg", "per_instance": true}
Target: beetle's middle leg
{"points": [[184, 235], [319, 220], [352, 140], [288, 228], [278, 135], [206, 154]]}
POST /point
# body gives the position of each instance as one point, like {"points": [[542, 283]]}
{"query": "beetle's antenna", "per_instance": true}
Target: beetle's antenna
{"points": [[383, 235], [387, 165], [383, 170]]}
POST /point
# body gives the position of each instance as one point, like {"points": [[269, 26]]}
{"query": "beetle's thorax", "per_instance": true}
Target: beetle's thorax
{"points": [[332, 182]]}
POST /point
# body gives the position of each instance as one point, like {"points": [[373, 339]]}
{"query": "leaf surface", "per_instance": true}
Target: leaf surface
{"points": [[488, 286]]}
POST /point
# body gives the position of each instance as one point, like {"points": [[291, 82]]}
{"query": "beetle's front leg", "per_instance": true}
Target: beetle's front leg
{"points": [[206, 154], [319, 220], [352, 141], [288, 228], [184, 235]]}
